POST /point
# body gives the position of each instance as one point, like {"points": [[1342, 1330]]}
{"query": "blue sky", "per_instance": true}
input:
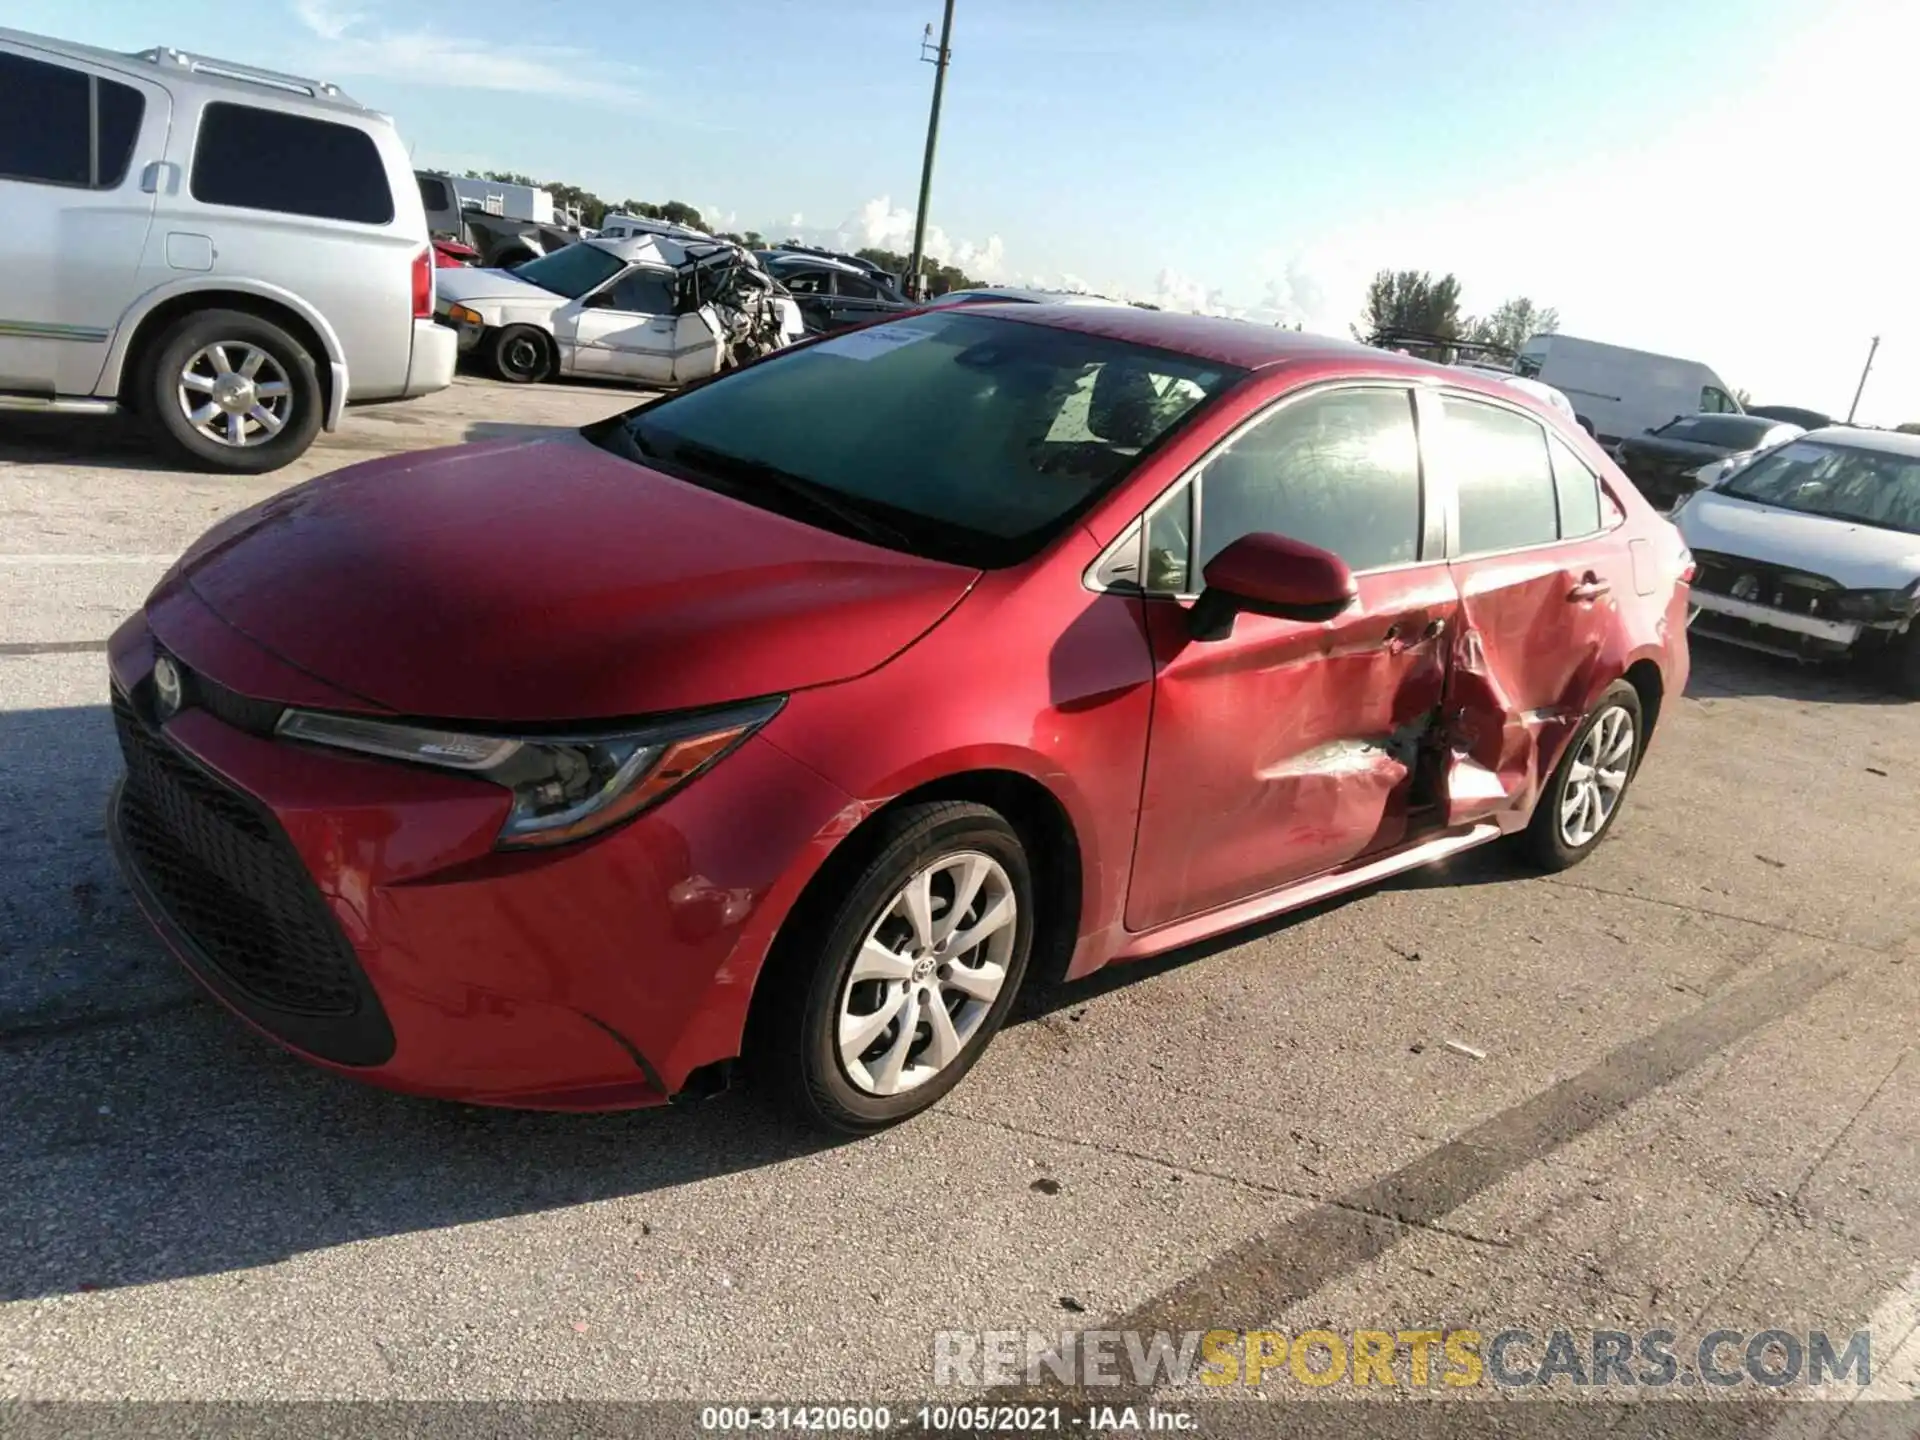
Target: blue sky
{"points": [[1666, 174]]}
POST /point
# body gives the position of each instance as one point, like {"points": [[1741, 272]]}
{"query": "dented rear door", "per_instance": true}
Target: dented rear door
{"points": [[1538, 609]]}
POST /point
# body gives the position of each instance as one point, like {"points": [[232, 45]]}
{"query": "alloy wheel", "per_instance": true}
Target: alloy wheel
{"points": [[928, 973], [235, 393], [1597, 778]]}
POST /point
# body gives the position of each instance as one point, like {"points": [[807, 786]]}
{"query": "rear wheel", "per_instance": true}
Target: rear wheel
{"points": [[520, 354], [231, 391], [911, 975], [1582, 799]]}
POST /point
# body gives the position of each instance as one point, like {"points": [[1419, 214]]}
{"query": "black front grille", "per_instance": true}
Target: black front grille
{"points": [[1776, 586], [227, 876]]}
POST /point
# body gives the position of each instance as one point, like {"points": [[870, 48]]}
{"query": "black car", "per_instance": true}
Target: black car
{"points": [[1661, 463], [834, 292], [1793, 415]]}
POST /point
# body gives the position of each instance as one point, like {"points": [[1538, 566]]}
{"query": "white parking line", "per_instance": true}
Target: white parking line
{"points": [[88, 559]]}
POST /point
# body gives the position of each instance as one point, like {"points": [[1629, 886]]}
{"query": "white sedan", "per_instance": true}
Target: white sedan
{"points": [[660, 310]]}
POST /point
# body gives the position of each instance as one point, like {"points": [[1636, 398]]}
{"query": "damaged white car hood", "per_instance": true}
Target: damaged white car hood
{"points": [[1859, 557]]}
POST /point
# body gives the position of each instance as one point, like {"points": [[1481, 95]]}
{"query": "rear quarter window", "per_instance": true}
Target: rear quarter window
{"points": [[258, 159]]}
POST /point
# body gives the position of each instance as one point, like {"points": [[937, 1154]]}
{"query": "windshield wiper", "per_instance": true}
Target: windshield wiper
{"points": [[822, 498]]}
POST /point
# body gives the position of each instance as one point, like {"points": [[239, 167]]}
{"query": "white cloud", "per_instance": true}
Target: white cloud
{"points": [[349, 43], [880, 224]]}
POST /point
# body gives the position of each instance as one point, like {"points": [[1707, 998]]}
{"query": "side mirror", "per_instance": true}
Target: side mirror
{"points": [[1270, 575]]}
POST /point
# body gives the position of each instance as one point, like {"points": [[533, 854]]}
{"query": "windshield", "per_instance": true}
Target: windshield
{"points": [[571, 271], [959, 436], [1869, 487], [1734, 432]]}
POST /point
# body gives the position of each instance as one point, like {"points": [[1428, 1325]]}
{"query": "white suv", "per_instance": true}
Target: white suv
{"points": [[231, 253]]}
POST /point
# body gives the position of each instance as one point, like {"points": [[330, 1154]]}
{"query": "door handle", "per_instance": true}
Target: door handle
{"points": [[1591, 587]]}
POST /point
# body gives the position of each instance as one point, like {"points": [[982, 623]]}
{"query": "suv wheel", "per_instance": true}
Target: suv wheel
{"points": [[520, 355], [912, 975], [1582, 799], [233, 392]]}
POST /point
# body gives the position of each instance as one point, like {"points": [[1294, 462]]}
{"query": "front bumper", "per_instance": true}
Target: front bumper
{"points": [[355, 910]]}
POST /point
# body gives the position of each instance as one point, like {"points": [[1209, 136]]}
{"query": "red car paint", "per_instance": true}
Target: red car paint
{"points": [[1204, 785]]}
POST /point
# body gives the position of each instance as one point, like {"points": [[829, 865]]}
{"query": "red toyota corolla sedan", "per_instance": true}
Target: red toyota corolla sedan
{"points": [[802, 715]]}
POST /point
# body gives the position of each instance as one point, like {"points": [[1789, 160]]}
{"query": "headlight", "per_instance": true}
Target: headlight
{"points": [[564, 787], [1871, 604]]}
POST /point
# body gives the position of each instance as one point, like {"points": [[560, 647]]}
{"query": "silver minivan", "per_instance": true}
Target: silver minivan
{"points": [[231, 253]]}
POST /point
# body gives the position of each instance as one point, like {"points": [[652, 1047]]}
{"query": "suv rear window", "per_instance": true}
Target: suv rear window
{"points": [[293, 164], [60, 126]]}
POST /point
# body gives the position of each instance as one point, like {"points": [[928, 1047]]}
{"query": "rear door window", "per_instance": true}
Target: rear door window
{"points": [[1502, 475], [61, 126], [1578, 489], [258, 159]]}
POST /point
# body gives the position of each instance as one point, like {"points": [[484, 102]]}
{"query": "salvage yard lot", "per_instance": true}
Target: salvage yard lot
{"points": [[1696, 1105]]}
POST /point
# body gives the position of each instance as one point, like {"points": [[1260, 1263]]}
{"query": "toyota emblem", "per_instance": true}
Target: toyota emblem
{"points": [[167, 687]]}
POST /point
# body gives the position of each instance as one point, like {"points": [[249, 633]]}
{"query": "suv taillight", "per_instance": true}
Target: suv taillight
{"points": [[423, 284]]}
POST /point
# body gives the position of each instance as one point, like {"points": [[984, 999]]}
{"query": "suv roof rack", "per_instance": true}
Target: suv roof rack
{"points": [[231, 70], [1420, 343]]}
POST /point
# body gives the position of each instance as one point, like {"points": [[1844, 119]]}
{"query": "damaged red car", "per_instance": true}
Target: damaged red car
{"points": [[804, 716]]}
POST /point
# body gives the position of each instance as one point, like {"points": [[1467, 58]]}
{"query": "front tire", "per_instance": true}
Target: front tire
{"points": [[232, 392], [1582, 799], [520, 355], [911, 975]]}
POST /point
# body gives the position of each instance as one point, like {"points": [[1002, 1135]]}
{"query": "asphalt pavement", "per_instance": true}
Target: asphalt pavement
{"points": [[1674, 1087]]}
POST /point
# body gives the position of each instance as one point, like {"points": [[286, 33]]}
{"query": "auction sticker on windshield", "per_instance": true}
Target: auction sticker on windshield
{"points": [[865, 344]]}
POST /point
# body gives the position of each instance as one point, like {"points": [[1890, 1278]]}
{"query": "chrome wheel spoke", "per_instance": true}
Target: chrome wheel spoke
{"points": [[887, 1070], [265, 419], [218, 354], [272, 388], [236, 428], [250, 366], [857, 1032], [999, 915], [943, 1048], [916, 904], [203, 414], [203, 384], [972, 874], [881, 962], [977, 982]]}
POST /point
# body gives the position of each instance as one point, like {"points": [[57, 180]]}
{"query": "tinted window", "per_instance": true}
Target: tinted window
{"points": [[1735, 432], [120, 112], [806, 282], [644, 292], [291, 164], [857, 286], [47, 124], [433, 195], [1578, 489], [572, 270], [941, 427], [1505, 481], [1339, 470]]}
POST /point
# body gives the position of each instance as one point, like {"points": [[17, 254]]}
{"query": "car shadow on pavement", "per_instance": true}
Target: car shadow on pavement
{"points": [[1722, 671], [154, 1137], [120, 442]]}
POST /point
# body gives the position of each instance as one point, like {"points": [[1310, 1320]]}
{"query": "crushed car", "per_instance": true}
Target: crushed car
{"points": [[834, 290], [657, 309], [1812, 551]]}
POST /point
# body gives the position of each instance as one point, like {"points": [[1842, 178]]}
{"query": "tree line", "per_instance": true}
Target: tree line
{"points": [[593, 211], [1408, 303]]}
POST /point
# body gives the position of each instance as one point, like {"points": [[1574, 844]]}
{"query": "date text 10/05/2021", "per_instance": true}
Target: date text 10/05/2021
{"points": [[959, 1419]]}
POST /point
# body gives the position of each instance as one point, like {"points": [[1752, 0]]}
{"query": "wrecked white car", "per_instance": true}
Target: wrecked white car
{"points": [[657, 309]]}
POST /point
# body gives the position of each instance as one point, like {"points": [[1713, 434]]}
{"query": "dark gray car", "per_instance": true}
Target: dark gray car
{"points": [[1662, 462]]}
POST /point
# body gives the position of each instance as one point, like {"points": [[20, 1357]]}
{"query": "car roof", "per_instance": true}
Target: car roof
{"points": [[165, 64], [1244, 344], [671, 251], [787, 259], [1886, 442], [981, 294]]}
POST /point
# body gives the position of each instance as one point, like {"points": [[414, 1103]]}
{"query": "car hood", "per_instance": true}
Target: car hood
{"points": [[548, 580], [1859, 557], [472, 283]]}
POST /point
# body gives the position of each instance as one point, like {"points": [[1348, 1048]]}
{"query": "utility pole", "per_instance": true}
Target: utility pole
{"points": [[938, 59], [1872, 350]]}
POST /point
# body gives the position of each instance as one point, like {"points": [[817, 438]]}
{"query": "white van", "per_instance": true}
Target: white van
{"points": [[1617, 392]]}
